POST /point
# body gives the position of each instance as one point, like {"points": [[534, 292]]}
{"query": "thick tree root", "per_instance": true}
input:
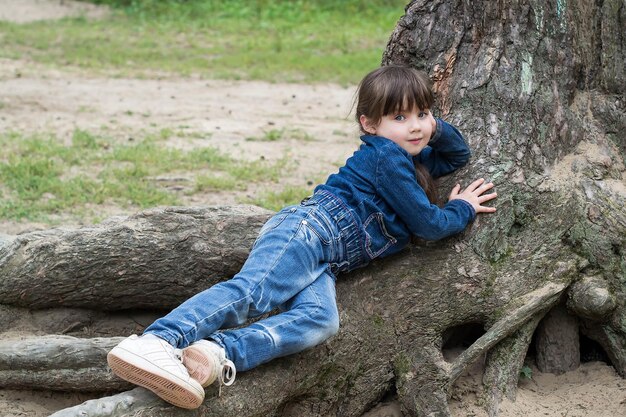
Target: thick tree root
{"points": [[116, 264], [333, 370], [503, 366], [591, 298], [58, 363], [614, 344], [528, 306], [124, 404], [417, 390]]}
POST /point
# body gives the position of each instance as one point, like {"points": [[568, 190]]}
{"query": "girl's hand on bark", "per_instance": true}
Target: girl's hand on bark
{"points": [[475, 195]]}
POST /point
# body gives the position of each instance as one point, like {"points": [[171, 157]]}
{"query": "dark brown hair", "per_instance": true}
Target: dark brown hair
{"points": [[390, 89]]}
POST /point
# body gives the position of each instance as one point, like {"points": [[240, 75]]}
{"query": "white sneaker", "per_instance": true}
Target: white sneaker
{"points": [[206, 362], [152, 363]]}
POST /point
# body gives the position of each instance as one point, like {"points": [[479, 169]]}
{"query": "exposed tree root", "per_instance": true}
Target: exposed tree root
{"points": [[528, 307], [59, 363]]}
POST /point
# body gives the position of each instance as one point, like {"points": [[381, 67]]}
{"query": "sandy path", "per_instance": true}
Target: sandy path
{"points": [[592, 390], [22, 11]]}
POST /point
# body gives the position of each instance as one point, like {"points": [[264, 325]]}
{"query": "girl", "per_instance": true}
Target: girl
{"points": [[369, 209]]}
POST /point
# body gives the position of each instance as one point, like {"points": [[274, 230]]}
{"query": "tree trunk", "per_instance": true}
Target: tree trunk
{"points": [[538, 90]]}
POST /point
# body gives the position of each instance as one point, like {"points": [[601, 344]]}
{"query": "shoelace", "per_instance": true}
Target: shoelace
{"points": [[227, 376], [178, 353]]}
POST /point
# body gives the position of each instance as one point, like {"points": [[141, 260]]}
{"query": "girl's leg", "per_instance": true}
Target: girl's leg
{"points": [[292, 251], [308, 319]]}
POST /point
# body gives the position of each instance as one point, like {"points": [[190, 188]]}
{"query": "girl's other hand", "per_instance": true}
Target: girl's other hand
{"points": [[475, 195], [433, 122]]}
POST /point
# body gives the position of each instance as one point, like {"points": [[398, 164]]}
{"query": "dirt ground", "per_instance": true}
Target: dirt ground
{"points": [[221, 114], [36, 99]]}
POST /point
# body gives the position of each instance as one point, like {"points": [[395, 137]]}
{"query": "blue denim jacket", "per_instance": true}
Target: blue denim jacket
{"points": [[379, 186]]}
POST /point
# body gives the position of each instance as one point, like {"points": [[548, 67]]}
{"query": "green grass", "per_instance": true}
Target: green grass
{"points": [[275, 40], [274, 135], [276, 200], [41, 176]]}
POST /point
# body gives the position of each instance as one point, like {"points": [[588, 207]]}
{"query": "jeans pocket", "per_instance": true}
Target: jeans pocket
{"points": [[319, 228], [377, 238]]}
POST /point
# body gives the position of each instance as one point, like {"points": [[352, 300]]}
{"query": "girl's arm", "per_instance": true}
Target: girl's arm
{"points": [[450, 152], [446, 150], [395, 183]]}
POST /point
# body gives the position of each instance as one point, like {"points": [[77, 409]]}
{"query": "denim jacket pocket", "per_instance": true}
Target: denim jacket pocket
{"points": [[377, 238]]}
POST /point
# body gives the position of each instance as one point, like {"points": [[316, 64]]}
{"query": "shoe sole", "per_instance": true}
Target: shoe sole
{"points": [[198, 365], [176, 394]]}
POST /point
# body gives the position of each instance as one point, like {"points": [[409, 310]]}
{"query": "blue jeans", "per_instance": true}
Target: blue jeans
{"points": [[291, 267]]}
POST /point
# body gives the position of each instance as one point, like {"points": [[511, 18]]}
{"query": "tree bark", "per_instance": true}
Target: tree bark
{"points": [[503, 366], [170, 254], [538, 90], [58, 363], [558, 342]]}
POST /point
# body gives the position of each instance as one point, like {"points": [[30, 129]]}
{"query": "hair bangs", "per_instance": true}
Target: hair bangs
{"points": [[407, 91], [396, 101], [393, 89]]}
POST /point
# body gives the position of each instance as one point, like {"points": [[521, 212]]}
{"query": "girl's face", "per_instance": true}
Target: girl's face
{"points": [[411, 130]]}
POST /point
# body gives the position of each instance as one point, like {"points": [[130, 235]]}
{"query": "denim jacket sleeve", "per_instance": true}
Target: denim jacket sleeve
{"points": [[446, 151], [396, 184]]}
